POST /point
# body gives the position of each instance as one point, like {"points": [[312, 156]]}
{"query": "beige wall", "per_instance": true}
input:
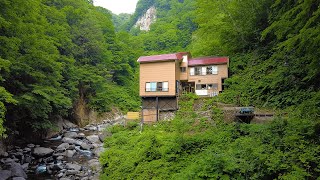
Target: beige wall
{"points": [[213, 78], [158, 72], [184, 63]]}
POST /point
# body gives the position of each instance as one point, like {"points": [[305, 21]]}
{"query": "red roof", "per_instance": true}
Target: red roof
{"points": [[208, 61], [162, 57]]}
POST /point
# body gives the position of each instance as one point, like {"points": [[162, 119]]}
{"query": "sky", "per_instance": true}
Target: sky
{"points": [[117, 6]]}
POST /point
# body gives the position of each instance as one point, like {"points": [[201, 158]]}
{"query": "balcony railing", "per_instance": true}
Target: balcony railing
{"points": [[157, 89]]}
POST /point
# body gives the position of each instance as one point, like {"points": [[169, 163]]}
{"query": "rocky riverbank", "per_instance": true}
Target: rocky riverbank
{"points": [[71, 154]]}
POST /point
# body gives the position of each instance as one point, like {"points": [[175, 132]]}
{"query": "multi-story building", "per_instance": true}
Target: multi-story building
{"points": [[164, 77]]}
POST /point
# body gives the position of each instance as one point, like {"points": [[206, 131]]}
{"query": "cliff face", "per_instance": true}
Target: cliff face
{"points": [[147, 19]]}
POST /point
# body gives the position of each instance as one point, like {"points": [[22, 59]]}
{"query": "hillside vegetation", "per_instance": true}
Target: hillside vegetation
{"points": [[195, 147], [273, 48]]}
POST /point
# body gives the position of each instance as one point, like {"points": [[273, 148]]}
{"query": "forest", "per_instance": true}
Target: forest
{"points": [[57, 54]]}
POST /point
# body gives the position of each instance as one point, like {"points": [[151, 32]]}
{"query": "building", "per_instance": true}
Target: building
{"points": [[164, 77]]}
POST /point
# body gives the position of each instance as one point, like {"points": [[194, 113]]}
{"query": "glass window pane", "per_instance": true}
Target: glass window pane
{"points": [[153, 86], [197, 70], [203, 70], [165, 86], [209, 70], [215, 86], [148, 87], [214, 69], [192, 71], [159, 86]]}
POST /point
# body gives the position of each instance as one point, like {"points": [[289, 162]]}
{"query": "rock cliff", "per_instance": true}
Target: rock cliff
{"points": [[147, 19]]}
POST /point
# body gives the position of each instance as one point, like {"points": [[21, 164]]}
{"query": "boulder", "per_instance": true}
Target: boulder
{"points": [[71, 166], [25, 166], [60, 175], [86, 146], [94, 139], [25, 150], [17, 170], [103, 135], [68, 140], [63, 147], [94, 164], [98, 151], [27, 158], [30, 145], [18, 178], [64, 124], [4, 154], [71, 134], [70, 153], [5, 174], [72, 172], [55, 167], [71, 147], [59, 157], [8, 161], [81, 135], [91, 128], [64, 179], [42, 151], [102, 127]]}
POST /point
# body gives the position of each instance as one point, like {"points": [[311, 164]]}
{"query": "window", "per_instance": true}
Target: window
{"points": [[209, 70], [192, 71], [212, 69], [197, 70], [165, 86], [213, 86], [201, 86], [148, 87], [151, 86], [203, 71], [157, 86], [183, 69]]}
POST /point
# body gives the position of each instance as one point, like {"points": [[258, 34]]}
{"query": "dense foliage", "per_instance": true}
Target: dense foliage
{"points": [[57, 53], [194, 147], [273, 47], [172, 30]]}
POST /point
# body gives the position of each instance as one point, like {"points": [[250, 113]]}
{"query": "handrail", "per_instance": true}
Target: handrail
{"points": [[156, 89]]}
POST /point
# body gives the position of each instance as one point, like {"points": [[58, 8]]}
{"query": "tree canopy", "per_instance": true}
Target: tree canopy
{"points": [[55, 53]]}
